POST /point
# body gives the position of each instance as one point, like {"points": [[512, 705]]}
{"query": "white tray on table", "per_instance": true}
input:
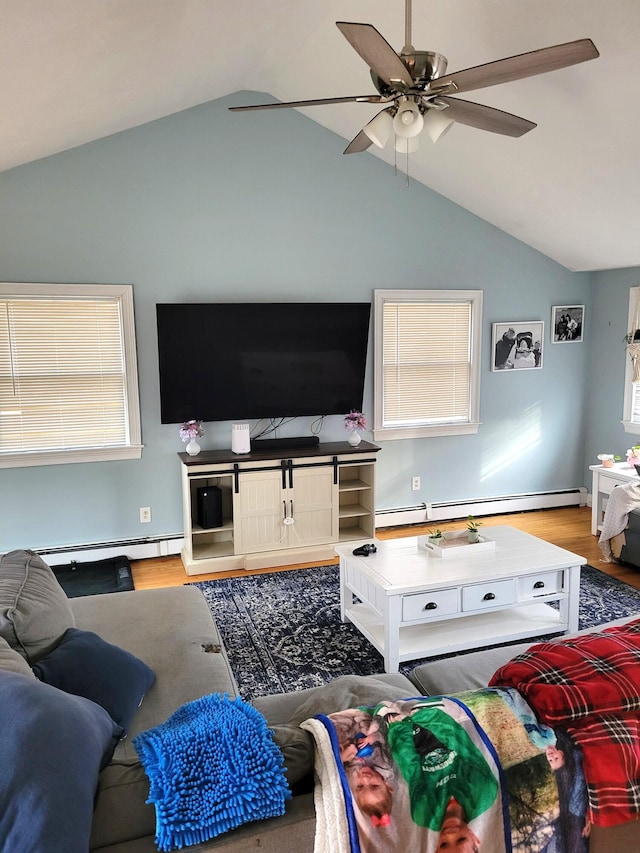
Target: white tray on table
{"points": [[456, 544]]}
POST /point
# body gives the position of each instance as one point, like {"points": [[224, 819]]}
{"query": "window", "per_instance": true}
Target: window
{"points": [[631, 412], [427, 362], [68, 374]]}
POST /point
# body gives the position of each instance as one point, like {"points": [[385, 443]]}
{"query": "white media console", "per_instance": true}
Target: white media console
{"points": [[279, 507]]}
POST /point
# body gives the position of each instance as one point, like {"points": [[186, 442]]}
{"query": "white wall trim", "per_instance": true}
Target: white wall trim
{"points": [[134, 549], [481, 506]]}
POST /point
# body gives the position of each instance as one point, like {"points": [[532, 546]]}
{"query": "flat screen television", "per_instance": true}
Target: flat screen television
{"points": [[243, 361]]}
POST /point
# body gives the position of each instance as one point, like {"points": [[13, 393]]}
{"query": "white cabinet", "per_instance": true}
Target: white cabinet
{"points": [[293, 507]]}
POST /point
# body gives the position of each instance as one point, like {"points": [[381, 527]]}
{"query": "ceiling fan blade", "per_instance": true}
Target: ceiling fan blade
{"points": [[359, 143], [486, 118], [521, 66], [376, 52], [364, 99]]}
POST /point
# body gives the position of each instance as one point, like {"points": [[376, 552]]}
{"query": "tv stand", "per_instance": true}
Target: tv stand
{"points": [[269, 444], [279, 508]]}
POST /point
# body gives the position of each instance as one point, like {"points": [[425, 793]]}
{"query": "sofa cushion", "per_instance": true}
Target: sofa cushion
{"points": [[121, 811], [34, 611], [85, 665], [468, 671], [11, 661], [171, 629], [52, 747]]}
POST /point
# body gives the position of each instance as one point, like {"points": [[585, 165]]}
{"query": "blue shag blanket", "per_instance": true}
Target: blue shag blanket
{"points": [[212, 766]]}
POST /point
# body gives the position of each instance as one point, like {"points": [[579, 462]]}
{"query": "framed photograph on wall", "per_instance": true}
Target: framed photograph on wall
{"points": [[567, 322], [517, 346]]}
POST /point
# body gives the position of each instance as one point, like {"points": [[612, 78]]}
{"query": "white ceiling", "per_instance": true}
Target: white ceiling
{"points": [[72, 71]]}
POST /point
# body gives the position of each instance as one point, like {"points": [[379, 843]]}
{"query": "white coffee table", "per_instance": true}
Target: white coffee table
{"points": [[414, 605]]}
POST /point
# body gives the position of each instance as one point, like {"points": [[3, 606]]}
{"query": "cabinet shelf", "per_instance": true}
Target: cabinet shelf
{"points": [[352, 510], [353, 485], [207, 550], [350, 534], [227, 525]]}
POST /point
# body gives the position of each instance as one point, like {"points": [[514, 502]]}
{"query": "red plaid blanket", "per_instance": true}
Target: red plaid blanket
{"points": [[590, 685]]}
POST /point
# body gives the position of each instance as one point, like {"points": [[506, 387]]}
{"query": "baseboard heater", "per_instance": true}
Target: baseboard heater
{"points": [[134, 549], [451, 510]]}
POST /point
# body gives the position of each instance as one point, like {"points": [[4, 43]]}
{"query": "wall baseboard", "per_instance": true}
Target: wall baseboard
{"points": [[170, 544], [453, 510]]}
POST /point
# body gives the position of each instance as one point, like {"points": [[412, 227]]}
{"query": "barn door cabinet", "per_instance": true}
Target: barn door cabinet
{"points": [[280, 508]]}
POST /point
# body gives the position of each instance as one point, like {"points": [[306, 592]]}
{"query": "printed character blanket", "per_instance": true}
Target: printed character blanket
{"points": [[467, 773]]}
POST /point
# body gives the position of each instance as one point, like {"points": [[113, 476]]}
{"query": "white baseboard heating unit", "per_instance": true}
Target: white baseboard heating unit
{"points": [[134, 549], [451, 510]]}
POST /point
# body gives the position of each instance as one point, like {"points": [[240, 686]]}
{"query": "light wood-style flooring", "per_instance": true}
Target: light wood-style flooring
{"points": [[568, 528]]}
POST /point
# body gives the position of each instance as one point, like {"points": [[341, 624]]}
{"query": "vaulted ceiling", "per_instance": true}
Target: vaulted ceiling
{"points": [[72, 71]]}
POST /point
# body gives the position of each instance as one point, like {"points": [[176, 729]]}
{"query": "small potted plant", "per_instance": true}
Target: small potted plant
{"points": [[472, 529], [607, 459], [434, 536], [633, 455]]}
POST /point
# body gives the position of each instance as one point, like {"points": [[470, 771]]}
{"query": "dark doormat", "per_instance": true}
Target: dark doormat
{"points": [[94, 578]]}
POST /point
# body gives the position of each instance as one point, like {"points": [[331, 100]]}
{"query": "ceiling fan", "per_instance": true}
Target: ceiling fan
{"points": [[420, 94]]}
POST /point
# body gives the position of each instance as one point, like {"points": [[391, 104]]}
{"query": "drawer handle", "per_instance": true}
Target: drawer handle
{"points": [[431, 606], [489, 596], [538, 585]]}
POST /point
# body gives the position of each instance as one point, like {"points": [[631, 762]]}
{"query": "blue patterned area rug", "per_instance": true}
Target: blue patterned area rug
{"points": [[283, 632]]}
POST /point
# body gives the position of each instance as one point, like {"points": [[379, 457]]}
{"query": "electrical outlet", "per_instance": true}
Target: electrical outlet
{"points": [[415, 484], [145, 514]]}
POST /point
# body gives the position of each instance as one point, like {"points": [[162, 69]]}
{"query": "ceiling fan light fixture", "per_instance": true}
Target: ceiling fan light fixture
{"points": [[408, 121], [407, 145], [436, 123], [379, 128]]}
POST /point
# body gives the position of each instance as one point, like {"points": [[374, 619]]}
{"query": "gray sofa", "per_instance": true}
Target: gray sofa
{"points": [[630, 552], [173, 632]]}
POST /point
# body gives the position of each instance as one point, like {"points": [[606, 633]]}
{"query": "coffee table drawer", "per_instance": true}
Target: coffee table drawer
{"points": [[490, 594], [533, 586], [425, 605]]}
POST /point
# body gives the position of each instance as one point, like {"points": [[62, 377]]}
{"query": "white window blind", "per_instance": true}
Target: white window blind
{"points": [[427, 372], [68, 380]]}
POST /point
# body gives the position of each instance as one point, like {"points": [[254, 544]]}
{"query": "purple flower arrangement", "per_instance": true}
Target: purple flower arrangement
{"points": [[355, 421], [190, 430]]}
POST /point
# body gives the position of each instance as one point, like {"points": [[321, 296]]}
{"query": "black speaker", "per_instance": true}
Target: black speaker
{"points": [[209, 503]]}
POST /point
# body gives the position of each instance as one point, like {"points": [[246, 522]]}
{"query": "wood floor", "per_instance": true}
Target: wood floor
{"points": [[568, 528]]}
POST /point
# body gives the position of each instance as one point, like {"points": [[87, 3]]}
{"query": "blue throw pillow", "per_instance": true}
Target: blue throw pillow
{"points": [[86, 665], [52, 748]]}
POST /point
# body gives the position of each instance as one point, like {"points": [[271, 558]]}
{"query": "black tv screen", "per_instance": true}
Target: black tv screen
{"points": [[237, 361]]}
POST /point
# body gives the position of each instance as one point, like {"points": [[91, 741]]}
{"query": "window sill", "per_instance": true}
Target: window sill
{"points": [[395, 433], [67, 457]]}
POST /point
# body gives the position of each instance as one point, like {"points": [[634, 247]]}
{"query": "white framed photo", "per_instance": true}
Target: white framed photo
{"points": [[567, 324], [517, 346]]}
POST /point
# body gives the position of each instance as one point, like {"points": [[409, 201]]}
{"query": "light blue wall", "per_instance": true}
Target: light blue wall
{"points": [[207, 205], [607, 364]]}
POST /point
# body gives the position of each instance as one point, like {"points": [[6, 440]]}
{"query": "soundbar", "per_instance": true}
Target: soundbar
{"points": [[282, 443]]}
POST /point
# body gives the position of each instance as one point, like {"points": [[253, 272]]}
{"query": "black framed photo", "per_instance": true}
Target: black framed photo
{"points": [[517, 346], [567, 323]]}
